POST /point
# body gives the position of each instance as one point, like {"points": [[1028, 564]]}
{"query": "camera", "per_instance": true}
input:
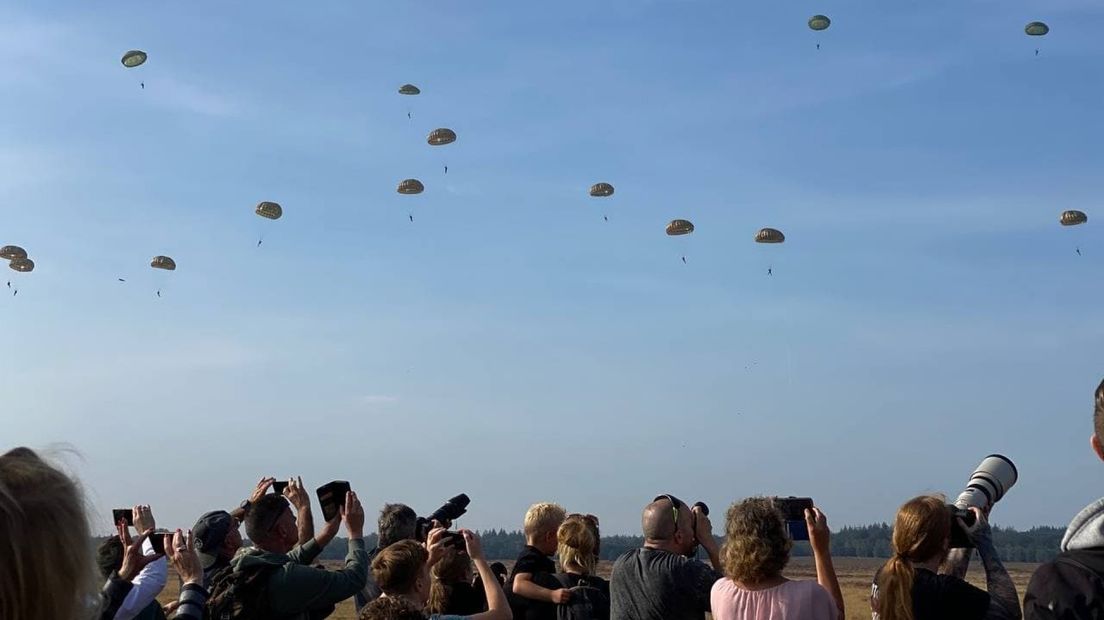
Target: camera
{"points": [[994, 477], [449, 512]]}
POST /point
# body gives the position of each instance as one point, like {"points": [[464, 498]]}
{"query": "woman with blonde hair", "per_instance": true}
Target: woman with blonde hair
{"points": [[756, 549], [47, 571], [577, 543], [452, 591], [910, 586]]}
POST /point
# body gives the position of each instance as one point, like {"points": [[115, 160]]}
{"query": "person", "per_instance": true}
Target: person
{"points": [[402, 571], [577, 549], [141, 601], [756, 550], [910, 585], [45, 535], [396, 522], [534, 567], [1071, 586], [293, 589], [218, 536], [659, 581], [452, 591]]}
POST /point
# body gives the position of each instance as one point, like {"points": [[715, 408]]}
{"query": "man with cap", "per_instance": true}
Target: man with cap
{"points": [[217, 534]]}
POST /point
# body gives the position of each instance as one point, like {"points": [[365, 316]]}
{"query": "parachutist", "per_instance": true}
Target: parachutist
{"points": [[15, 293], [683, 260], [158, 294], [770, 272], [408, 117], [1036, 52], [120, 279], [446, 169], [411, 218], [143, 85], [818, 45], [605, 218], [1079, 251], [259, 242]]}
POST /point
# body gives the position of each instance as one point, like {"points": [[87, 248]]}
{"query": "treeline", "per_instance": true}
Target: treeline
{"points": [[1038, 544]]}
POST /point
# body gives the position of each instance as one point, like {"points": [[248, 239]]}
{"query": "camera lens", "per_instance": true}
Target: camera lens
{"points": [[990, 481]]}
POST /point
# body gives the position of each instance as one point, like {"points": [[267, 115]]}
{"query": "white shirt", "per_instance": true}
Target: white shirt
{"points": [[147, 585]]}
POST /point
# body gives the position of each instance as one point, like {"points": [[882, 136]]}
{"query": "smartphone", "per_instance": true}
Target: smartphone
{"points": [[454, 540], [793, 511], [332, 496], [157, 540], [279, 486], [125, 514]]}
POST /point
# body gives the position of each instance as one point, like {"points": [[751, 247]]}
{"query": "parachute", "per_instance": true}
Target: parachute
{"points": [[1036, 29], [269, 210], [163, 262], [409, 89], [769, 235], [819, 22], [441, 137], [134, 58], [1073, 218], [22, 265], [411, 187], [12, 252], [601, 190], [679, 227]]}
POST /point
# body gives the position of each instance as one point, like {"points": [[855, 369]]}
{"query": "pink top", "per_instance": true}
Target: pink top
{"points": [[793, 600]]}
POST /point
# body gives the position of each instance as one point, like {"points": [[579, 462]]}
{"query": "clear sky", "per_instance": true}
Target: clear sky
{"points": [[926, 309]]}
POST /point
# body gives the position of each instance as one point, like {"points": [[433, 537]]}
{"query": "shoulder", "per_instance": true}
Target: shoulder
{"points": [[1072, 579], [931, 585], [724, 586], [808, 588]]}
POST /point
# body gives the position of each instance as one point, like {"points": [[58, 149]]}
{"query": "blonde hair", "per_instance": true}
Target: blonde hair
{"points": [[577, 546], [45, 543], [757, 545], [543, 518], [920, 533]]}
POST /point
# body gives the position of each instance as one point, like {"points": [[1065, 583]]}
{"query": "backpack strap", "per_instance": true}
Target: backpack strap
{"points": [[1091, 563]]}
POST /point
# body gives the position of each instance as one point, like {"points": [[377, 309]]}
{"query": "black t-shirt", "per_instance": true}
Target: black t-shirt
{"points": [[944, 597], [651, 584], [601, 608], [541, 567], [465, 600]]}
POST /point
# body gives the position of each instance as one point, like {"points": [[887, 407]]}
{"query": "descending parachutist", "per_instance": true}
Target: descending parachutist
{"points": [[770, 272], [411, 216], [143, 85], [15, 293], [683, 260], [408, 117], [1036, 52], [259, 242], [158, 294], [1079, 251], [446, 169], [121, 280], [605, 218], [818, 45]]}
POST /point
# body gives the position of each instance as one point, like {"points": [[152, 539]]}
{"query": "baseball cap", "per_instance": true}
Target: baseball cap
{"points": [[209, 533]]}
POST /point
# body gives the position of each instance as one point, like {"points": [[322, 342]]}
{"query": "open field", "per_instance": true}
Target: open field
{"points": [[854, 575]]}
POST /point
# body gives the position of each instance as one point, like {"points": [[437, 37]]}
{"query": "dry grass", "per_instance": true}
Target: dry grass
{"points": [[854, 575]]}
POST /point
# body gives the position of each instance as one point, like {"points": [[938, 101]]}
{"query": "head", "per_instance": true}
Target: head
{"points": [[396, 522], [668, 524], [921, 533], [541, 522], [217, 537], [757, 544], [391, 608], [500, 572], [1098, 423], [453, 568], [402, 570], [577, 545], [109, 556], [270, 524], [48, 569]]}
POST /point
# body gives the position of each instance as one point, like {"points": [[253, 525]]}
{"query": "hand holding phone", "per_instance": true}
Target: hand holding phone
{"points": [[793, 512], [278, 486], [122, 514], [331, 497]]}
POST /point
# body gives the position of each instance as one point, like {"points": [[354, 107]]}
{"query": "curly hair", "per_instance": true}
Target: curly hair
{"points": [[390, 608], [757, 545]]}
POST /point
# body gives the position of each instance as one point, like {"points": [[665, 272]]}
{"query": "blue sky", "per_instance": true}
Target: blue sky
{"points": [[925, 311]]}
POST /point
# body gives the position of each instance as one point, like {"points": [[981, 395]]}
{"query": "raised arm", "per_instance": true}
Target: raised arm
{"points": [[498, 608], [1004, 602], [298, 496], [820, 540]]}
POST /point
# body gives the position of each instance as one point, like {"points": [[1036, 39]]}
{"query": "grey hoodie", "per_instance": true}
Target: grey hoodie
{"points": [[1086, 531], [298, 591]]}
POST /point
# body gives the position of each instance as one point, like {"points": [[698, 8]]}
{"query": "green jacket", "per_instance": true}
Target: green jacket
{"points": [[299, 591]]}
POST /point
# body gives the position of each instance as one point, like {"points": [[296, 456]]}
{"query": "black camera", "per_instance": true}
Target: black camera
{"points": [[446, 514]]}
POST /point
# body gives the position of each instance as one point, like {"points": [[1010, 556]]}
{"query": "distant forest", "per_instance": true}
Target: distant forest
{"points": [[1038, 544]]}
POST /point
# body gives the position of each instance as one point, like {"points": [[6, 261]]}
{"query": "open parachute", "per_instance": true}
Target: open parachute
{"points": [[12, 252], [441, 137], [769, 235], [409, 89], [819, 22], [22, 265], [410, 187], [1036, 29], [1073, 218], [601, 190], [679, 227], [163, 262], [134, 58], [269, 210]]}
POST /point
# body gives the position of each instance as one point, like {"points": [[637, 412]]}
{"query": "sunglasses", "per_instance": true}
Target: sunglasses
{"points": [[675, 502]]}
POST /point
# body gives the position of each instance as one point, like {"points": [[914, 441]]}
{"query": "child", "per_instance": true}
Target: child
{"points": [[534, 566]]}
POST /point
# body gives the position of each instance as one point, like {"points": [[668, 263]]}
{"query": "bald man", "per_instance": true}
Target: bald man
{"points": [[660, 581]]}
